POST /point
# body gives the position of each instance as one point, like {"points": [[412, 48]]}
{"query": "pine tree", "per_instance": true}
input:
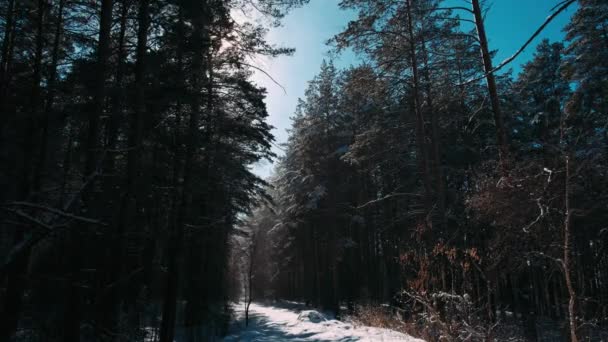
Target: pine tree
{"points": [[587, 48]]}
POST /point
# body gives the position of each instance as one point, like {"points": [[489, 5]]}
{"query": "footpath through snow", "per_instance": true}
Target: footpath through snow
{"points": [[288, 323]]}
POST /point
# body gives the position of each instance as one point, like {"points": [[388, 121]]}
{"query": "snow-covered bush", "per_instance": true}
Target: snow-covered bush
{"points": [[311, 316]]}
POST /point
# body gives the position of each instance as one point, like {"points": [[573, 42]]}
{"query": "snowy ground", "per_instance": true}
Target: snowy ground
{"points": [[288, 323]]}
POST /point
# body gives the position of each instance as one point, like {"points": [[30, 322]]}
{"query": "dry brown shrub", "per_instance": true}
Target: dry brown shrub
{"points": [[383, 316]]}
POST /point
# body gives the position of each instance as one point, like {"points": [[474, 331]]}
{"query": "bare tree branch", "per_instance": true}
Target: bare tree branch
{"points": [[550, 18], [57, 212]]}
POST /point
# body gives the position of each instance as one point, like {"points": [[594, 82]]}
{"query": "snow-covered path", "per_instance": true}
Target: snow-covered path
{"points": [[287, 323]]}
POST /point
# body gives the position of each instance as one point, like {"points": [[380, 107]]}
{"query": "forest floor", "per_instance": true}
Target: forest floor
{"points": [[292, 322]]}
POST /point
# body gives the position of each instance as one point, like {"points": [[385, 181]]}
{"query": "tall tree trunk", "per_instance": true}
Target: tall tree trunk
{"points": [[423, 160], [176, 240], [567, 257], [7, 40], [32, 120], [50, 97], [501, 133], [16, 273], [137, 118], [72, 315], [111, 293], [167, 329], [118, 96], [136, 195], [252, 251], [170, 295], [67, 165], [197, 294], [99, 96], [200, 40], [436, 144]]}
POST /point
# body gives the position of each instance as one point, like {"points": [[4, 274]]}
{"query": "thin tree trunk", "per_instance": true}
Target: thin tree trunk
{"points": [[99, 96], [436, 145], [567, 257], [32, 119], [250, 278], [50, 97], [556, 300], [67, 164], [70, 333], [501, 134], [72, 314], [136, 129], [134, 181], [547, 296], [6, 40], [423, 161], [118, 96], [317, 266], [168, 311], [5, 57]]}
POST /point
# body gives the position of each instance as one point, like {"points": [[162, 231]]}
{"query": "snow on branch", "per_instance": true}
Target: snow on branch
{"points": [[395, 194]]}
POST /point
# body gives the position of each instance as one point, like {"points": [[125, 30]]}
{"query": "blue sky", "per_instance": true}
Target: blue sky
{"points": [[509, 23]]}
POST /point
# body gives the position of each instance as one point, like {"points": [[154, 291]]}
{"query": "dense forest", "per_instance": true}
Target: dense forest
{"points": [[425, 184], [127, 131], [470, 202]]}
